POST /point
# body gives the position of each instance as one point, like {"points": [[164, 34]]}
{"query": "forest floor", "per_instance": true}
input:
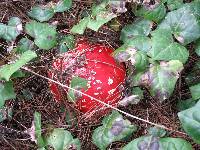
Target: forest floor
{"points": [[38, 96]]}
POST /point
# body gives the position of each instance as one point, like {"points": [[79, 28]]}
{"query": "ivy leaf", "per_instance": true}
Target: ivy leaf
{"points": [[38, 130], [81, 26], [195, 91], [100, 19], [140, 43], [6, 92], [156, 76], [139, 27], [100, 15], [174, 4], [156, 132], [137, 58], [197, 47], [141, 61], [114, 128], [128, 50], [41, 13], [12, 30], [183, 23], [67, 42], [5, 113], [190, 121], [164, 48], [155, 143], [24, 45], [63, 5], [7, 70], [185, 104], [78, 84], [153, 12], [194, 76], [44, 34], [138, 91], [61, 139]]}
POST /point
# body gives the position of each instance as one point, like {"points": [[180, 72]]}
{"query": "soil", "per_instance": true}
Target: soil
{"points": [[33, 93]]}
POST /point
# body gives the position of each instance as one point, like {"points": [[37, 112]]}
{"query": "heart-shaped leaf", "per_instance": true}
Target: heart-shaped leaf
{"points": [[139, 27], [100, 15], [190, 121], [5, 113], [63, 5], [184, 23], [174, 4], [195, 91], [24, 45], [164, 48], [185, 104], [78, 84], [61, 139], [44, 34], [81, 26], [114, 128], [41, 13], [6, 92], [7, 70], [155, 143], [67, 42], [12, 30], [194, 76], [197, 47], [141, 61], [152, 12], [156, 76]]}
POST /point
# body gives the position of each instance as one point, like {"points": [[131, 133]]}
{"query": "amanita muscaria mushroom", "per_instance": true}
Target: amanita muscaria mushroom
{"points": [[93, 62]]}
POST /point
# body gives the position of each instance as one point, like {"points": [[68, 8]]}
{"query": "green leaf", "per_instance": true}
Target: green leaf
{"points": [[190, 121], [193, 76], [38, 130], [174, 4], [141, 61], [114, 128], [141, 43], [195, 91], [81, 26], [44, 34], [24, 45], [67, 42], [101, 18], [154, 143], [156, 76], [156, 132], [164, 48], [139, 27], [5, 113], [63, 5], [18, 74], [100, 15], [61, 139], [76, 83], [6, 92], [41, 13], [185, 104], [156, 14], [12, 30], [138, 91], [197, 47], [7, 70], [183, 23]]}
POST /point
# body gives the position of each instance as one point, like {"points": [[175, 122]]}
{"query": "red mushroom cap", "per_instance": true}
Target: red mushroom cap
{"points": [[94, 63]]}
